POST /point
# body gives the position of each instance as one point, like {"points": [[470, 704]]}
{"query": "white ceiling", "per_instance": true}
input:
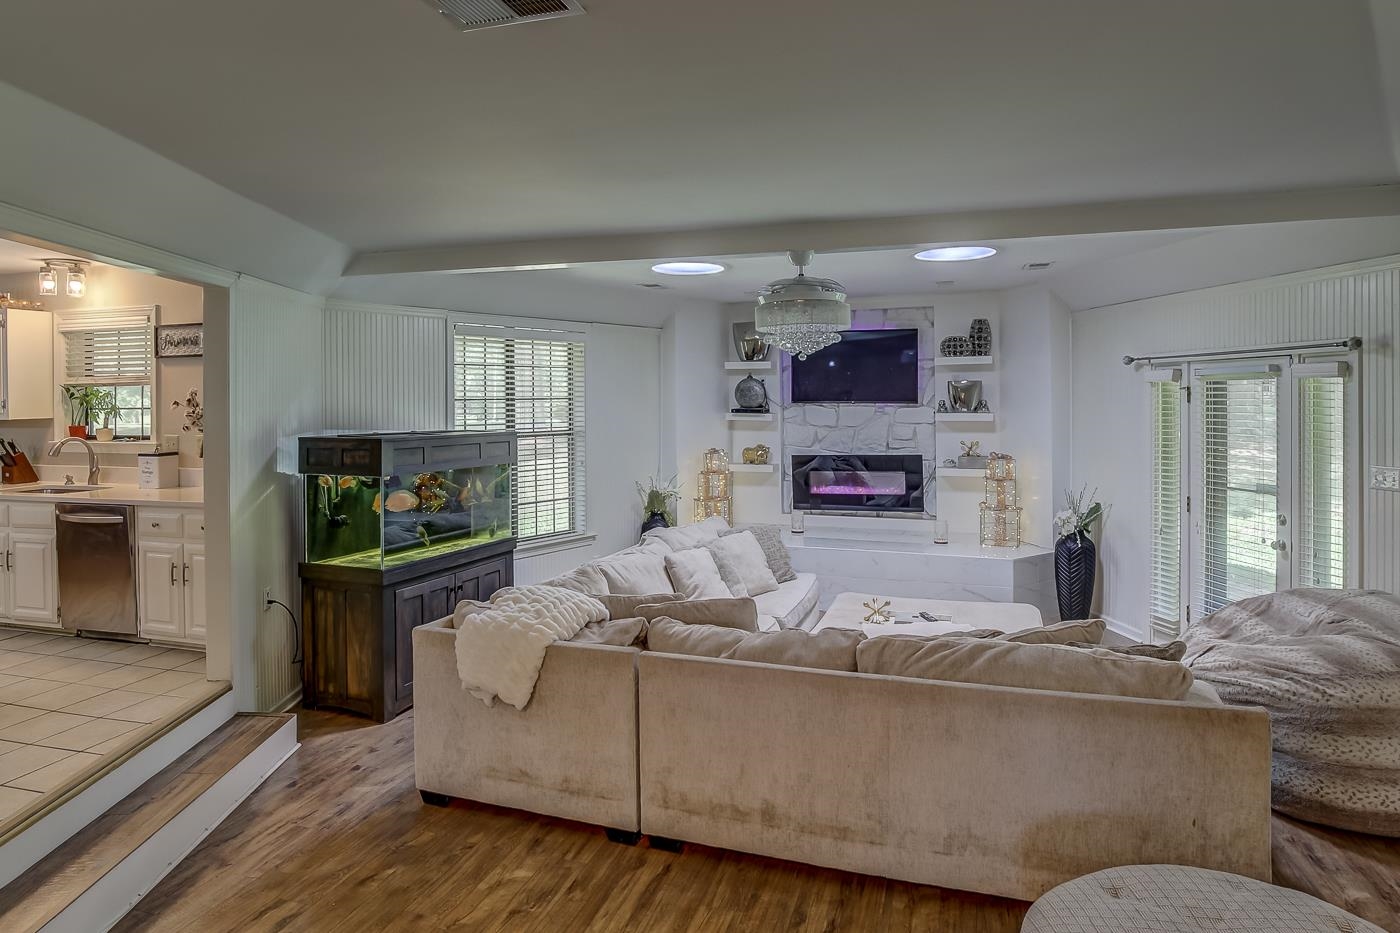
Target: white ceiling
{"points": [[20, 257], [378, 124]]}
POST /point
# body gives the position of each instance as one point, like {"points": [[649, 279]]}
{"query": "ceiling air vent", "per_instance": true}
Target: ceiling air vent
{"points": [[483, 14], [1037, 266]]}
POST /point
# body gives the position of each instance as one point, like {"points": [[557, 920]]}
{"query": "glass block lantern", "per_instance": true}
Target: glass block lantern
{"points": [[713, 491], [1001, 506]]}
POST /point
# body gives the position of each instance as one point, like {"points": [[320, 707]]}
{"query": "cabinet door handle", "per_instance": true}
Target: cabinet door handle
{"points": [[172, 573], [185, 577], [9, 560]]}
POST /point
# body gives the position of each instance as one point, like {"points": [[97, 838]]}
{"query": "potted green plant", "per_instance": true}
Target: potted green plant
{"points": [[105, 407], [658, 502], [84, 404]]}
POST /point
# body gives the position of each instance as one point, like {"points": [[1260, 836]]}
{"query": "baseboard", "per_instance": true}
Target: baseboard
{"points": [[55, 828], [103, 905], [1135, 636], [292, 698]]}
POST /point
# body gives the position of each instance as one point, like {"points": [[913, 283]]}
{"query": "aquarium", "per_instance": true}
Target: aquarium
{"points": [[382, 501]]}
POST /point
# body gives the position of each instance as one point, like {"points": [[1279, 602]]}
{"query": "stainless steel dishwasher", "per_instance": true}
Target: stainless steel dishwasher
{"points": [[97, 568]]}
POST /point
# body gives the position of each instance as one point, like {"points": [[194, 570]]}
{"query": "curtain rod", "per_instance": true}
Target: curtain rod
{"points": [[1351, 343]]}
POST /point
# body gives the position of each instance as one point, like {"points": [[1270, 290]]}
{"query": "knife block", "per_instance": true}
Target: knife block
{"points": [[21, 472]]}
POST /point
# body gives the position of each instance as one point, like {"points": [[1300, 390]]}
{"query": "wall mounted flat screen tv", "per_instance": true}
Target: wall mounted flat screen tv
{"points": [[866, 366]]}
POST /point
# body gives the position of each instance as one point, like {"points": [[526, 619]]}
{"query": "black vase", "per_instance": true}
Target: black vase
{"points": [[655, 520], [1075, 557]]}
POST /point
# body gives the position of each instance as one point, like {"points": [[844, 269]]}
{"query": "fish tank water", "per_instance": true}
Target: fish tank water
{"points": [[412, 507]]}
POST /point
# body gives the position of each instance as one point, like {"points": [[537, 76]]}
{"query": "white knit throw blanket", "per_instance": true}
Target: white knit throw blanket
{"points": [[501, 644]]}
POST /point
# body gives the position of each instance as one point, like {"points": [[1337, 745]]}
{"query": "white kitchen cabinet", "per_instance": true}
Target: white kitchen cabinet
{"points": [[26, 365], [170, 554], [29, 566]]}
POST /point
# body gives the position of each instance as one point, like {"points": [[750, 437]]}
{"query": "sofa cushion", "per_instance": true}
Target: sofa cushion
{"points": [[770, 539], [1171, 651], [1033, 666], [585, 579], [625, 633], [695, 574], [832, 650], [684, 537], [745, 559], [624, 605], [635, 571], [670, 636], [1062, 633], [727, 612], [792, 602]]}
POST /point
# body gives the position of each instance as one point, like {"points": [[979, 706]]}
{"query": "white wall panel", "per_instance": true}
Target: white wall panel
{"points": [[275, 383], [1110, 401], [386, 368]]}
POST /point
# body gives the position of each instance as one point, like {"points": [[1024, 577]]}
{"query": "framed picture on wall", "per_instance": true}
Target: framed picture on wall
{"points": [[180, 340]]}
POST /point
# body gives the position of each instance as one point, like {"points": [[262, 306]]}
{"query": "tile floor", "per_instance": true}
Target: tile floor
{"points": [[66, 703]]}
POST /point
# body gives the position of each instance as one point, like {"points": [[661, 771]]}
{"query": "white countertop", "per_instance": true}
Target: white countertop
{"points": [[114, 494]]}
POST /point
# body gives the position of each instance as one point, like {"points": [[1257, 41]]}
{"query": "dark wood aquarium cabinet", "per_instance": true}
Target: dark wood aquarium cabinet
{"points": [[399, 529]]}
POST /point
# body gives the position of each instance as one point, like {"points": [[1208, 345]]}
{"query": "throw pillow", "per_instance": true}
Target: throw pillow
{"points": [[1031, 666], [584, 579], [775, 552], [1171, 651], [695, 574], [635, 572], [1089, 630], [684, 537], [828, 650], [625, 633], [624, 606], [728, 612], [706, 641], [743, 554]]}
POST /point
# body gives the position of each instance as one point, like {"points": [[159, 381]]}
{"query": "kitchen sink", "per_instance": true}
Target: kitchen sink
{"points": [[55, 490]]}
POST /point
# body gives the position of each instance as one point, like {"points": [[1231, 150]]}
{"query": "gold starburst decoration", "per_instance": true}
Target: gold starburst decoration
{"points": [[879, 610]]}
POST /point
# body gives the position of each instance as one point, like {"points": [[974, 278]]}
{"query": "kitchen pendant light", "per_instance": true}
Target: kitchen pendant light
{"points": [[48, 280], [802, 315]]}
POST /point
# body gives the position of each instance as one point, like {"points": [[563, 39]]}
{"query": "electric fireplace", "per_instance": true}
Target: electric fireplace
{"points": [[858, 483]]}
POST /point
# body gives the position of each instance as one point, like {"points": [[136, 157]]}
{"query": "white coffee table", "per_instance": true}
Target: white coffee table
{"points": [[848, 611]]}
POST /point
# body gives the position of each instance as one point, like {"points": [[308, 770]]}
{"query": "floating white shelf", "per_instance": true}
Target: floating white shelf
{"points": [[733, 416], [966, 416], [959, 472], [963, 361], [752, 467], [758, 366]]}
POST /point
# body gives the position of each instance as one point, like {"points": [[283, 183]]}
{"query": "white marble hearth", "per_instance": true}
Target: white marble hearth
{"points": [[899, 558]]}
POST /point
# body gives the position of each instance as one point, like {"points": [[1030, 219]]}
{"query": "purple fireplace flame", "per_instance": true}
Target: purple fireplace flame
{"points": [[858, 482], [850, 483]]}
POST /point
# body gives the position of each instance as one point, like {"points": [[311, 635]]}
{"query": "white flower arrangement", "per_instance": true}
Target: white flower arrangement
{"points": [[1077, 517]]}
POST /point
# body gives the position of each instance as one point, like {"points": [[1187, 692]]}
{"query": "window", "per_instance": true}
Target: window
{"points": [[112, 351], [532, 385], [1262, 451]]}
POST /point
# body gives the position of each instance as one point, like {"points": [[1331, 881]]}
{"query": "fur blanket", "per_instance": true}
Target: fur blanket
{"points": [[501, 644], [1326, 665]]}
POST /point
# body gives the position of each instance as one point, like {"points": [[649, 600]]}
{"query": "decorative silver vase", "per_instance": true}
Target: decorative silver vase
{"points": [[964, 394]]}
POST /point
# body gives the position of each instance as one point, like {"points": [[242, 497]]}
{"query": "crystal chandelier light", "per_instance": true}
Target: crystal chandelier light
{"points": [[802, 315]]}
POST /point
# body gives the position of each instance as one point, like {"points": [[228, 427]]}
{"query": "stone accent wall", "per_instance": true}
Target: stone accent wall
{"points": [[869, 429]]}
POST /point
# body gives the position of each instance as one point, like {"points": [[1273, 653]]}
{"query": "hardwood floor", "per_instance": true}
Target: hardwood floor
{"points": [[337, 839]]}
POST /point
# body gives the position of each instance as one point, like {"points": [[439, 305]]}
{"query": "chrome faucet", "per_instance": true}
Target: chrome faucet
{"points": [[93, 469]]}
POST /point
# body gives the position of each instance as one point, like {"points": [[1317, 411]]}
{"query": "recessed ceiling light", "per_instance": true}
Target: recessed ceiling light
{"points": [[687, 268], [955, 253]]}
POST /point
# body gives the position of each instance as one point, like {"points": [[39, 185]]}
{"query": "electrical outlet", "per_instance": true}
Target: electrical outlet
{"points": [[1386, 478], [267, 598]]}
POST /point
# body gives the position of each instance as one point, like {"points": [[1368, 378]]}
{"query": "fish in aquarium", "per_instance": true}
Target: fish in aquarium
{"points": [[401, 500]]}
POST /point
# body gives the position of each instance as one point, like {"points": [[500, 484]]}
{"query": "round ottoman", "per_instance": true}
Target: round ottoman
{"points": [[1326, 665], [1177, 899]]}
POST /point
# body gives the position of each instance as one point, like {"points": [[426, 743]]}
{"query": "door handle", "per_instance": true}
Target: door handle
{"points": [[172, 573], [9, 560], [93, 519], [1279, 546], [185, 576]]}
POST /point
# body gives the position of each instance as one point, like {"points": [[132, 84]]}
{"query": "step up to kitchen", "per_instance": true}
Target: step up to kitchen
{"points": [[92, 880]]}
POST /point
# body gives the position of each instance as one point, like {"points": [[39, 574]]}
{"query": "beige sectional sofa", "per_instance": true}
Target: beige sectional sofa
{"points": [[1001, 790]]}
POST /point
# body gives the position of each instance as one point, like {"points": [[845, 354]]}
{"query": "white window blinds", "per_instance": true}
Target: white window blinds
{"points": [[1165, 570], [1239, 469], [106, 349], [533, 386], [1321, 545]]}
